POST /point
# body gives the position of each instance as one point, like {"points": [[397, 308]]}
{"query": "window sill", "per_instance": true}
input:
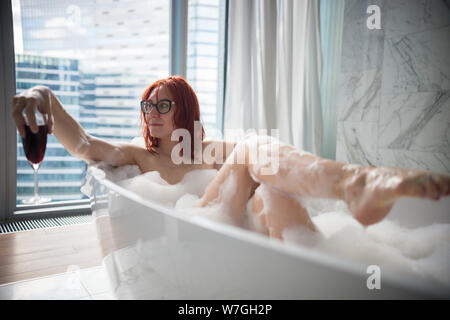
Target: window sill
{"points": [[54, 209]]}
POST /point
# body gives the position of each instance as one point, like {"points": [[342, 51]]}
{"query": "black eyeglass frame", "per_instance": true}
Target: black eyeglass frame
{"points": [[156, 105]]}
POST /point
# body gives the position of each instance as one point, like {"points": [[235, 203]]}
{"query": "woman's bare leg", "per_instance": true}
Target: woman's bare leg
{"points": [[274, 210], [369, 192], [232, 186]]}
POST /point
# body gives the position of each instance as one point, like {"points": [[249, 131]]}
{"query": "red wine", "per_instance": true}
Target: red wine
{"points": [[34, 144]]}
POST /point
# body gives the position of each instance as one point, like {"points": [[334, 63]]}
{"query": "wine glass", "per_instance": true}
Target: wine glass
{"points": [[34, 145]]}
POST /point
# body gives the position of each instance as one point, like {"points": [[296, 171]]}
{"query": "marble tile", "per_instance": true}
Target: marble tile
{"points": [[417, 62], [64, 286], [362, 48], [430, 161], [411, 16], [415, 121], [357, 142], [394, 98], [359, 95], [357, 9]]}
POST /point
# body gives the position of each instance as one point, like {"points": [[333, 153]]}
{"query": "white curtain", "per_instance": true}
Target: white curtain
{"points": [[274, 68], [331, 26]]}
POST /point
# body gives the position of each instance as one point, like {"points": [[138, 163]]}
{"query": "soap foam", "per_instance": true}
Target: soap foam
{"points": [[151, 186], [423, 251]]}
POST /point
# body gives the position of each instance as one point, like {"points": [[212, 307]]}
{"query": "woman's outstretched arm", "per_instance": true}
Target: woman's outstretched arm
{"points": [[66, 129]]}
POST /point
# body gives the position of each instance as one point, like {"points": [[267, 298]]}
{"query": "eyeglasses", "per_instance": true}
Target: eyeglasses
{"points": [[163, 106]]}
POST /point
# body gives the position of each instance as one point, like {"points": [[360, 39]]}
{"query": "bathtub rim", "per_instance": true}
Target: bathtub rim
{"points": [[354, 268]]}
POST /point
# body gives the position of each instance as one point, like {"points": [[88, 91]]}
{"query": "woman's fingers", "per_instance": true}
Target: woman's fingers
{"points": [[30, 112], [37, 97], [49, 116], [43, 103], [19, 103]]}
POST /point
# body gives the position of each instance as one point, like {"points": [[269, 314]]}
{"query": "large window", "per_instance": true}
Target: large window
{"points": [[98, 56], [205, 60]]}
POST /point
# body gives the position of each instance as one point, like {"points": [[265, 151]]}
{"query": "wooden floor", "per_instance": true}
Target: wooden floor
{"points": [[36, 253]]}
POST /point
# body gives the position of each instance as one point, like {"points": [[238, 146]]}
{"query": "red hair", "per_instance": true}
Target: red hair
{"points": [[187, 109]]}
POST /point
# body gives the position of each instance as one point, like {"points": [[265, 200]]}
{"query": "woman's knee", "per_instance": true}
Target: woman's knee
{"points": [[260, 154]]}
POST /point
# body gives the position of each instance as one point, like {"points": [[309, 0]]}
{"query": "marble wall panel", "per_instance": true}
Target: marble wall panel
{"points": [[417, 62], [431, 161], [362, 48], [407, 16], [415, 121], [357, 142], [359, 95], [357, 9], [394, 91]]}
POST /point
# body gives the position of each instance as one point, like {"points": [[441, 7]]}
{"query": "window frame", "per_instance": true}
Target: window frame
{"points": [[178, 37], [223, 59], [9, 210], [8, 150]]}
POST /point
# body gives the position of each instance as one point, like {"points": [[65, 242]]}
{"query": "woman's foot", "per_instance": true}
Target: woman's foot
{"points": [[370, 193]]}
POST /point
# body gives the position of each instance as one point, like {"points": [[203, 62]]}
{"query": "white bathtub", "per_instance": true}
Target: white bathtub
{"points": [[151, 252]]}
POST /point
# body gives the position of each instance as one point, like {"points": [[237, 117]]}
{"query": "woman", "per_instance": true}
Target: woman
{"points": [[171, 103]]}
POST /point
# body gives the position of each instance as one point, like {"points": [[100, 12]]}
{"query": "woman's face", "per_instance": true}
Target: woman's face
{"points": [[160, 125]]}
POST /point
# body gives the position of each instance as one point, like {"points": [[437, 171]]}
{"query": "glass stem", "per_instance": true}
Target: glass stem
{"points": [[36, 168]]}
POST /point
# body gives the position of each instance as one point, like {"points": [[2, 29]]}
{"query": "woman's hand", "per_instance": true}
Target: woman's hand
{"points": [[67, 130], [37, 97]]}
